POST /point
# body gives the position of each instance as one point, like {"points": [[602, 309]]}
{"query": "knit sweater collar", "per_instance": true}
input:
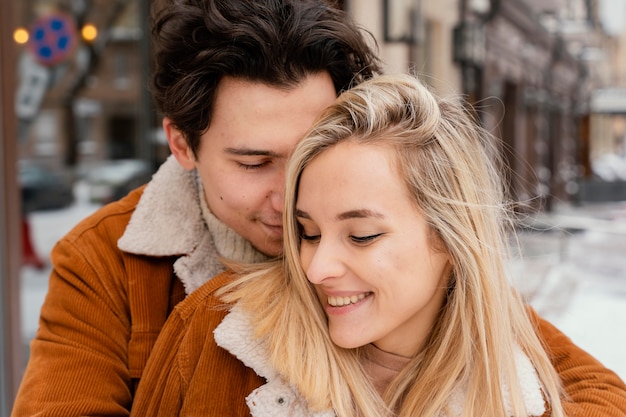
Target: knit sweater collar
{"points": [[381, 367], [229, 244]]}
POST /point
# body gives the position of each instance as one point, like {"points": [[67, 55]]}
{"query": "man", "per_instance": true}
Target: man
{"points": [[239, 82]]}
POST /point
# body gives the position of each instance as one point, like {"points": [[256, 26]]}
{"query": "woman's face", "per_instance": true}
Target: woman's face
{"points": [[368, 250]]}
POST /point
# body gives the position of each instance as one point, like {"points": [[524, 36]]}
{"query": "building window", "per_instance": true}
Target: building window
{"points": [[121, 80]]}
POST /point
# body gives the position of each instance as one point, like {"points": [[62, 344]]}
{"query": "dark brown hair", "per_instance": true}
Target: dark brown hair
{"points": [[277, 42]]}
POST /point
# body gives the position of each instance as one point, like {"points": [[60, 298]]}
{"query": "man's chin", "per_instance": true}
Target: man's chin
{"points": [[269, 246], [272, 251]]}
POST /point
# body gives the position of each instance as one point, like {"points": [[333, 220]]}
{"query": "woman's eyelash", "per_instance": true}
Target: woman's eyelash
{"points": [[356, 239], [309, 238], [365, 239]]}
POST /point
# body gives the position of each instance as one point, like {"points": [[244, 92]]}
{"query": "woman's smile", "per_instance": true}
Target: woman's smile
{"points": [[347, 300]]}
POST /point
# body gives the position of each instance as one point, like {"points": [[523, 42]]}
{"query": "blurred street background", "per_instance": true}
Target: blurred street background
{"points": [[546, 77], [572, 270]]}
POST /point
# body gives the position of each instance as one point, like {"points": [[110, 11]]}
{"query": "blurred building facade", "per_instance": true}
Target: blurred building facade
{"points": [[96, 105], [528, 67]]}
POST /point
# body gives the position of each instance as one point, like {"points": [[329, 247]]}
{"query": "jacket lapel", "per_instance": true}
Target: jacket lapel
{"points": [[168, 222], [276, 398]]}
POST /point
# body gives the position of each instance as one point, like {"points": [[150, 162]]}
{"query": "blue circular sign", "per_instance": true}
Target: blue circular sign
{"points": [[52, 38]]}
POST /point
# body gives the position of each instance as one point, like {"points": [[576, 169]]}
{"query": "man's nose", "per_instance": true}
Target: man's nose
{"points": [[277, 193]]}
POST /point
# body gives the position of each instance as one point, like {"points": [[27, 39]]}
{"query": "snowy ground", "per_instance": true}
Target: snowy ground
{"points": [[576, 280], [46, 228]]}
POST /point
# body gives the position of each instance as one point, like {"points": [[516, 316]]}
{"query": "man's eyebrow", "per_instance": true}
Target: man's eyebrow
{"points": [[352, 214], [251, 152]]}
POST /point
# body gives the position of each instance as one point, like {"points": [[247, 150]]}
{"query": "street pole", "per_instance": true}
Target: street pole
{"points": [[11, 362], [146, 138]]}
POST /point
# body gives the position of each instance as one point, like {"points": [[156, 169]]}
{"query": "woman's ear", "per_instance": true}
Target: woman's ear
{"points": [[178, 145]]}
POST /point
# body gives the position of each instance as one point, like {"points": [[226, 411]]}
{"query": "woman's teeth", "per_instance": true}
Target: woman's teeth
{"points": [[344, 301]]}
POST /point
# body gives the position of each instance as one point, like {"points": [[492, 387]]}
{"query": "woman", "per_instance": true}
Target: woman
{"points": [[392, 296], [395, 253]]}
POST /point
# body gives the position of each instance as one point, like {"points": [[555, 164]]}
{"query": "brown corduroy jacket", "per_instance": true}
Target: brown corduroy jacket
{"points": [[116, 277], [189, 374], [107, 304]]}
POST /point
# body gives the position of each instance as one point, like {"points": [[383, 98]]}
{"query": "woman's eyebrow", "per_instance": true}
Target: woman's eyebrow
{"points": [[351, 214], [358, 214], [302, 214]]}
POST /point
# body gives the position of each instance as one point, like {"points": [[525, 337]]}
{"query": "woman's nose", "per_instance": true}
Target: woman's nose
{"points": [[324, 262]]}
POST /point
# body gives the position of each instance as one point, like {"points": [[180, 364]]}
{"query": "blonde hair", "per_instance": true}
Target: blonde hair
{"points": [[450, 167]]}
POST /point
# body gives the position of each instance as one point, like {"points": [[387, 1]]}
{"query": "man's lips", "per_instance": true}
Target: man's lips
{"points": [[274, 230]]}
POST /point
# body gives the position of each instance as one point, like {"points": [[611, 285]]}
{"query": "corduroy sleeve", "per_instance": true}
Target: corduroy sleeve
{"points": [[78, 359], [594, 390]]}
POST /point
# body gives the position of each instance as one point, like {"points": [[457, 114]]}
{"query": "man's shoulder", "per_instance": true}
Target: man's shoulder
{"points": [[110, 220]]}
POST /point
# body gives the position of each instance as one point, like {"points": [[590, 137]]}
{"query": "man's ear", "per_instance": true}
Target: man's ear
{"points": [[178, 145]]}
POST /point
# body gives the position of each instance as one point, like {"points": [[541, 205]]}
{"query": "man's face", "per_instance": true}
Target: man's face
{"points": [[242, 156]]}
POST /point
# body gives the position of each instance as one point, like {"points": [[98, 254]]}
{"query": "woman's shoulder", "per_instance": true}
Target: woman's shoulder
{"points": [[204, 302]]}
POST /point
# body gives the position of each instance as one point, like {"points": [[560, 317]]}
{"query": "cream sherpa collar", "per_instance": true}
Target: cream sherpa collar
{"points": [[236, 335]]}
